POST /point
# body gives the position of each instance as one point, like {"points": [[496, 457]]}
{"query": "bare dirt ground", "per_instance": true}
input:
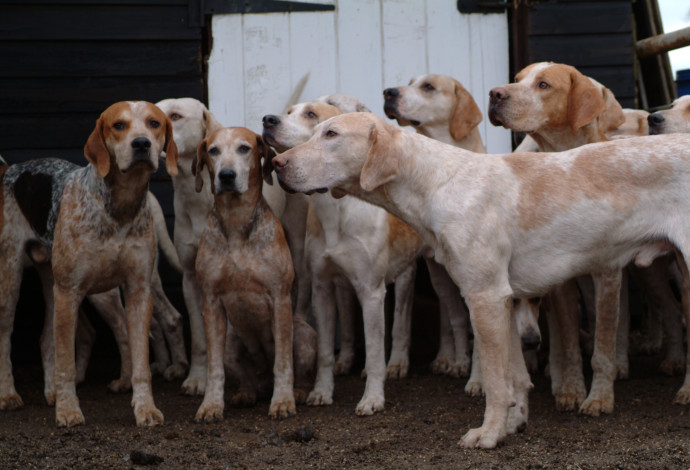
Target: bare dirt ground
{"points": [[425, 416]]}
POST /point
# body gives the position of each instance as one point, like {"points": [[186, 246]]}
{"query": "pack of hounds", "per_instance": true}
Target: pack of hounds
{"points": [[586, 202]]}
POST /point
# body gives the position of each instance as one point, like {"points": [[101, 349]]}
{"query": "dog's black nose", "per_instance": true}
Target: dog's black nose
{"points": [[227, 176], [141, 143], [530, 341], [655, 118], [270, 121], [390, 93], [498, 94]]}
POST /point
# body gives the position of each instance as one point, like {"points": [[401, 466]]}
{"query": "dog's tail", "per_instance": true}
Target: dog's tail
{"points": [[294, 98], [164, 242]]}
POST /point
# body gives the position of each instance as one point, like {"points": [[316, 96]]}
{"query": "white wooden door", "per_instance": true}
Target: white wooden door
{"points": [[361, 48]]}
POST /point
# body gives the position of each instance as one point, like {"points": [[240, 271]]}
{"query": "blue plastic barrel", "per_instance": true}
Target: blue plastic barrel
{"points": [[683, 82]]}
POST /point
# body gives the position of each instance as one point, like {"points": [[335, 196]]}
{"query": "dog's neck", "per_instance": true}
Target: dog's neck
{"points": [[408, 195], [124, 194], [472, 141], [562, 138], [238, 214]]}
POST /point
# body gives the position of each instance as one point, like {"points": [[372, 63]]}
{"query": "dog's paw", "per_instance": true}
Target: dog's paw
{"points": [[441, 365], [459, 368], [479, 438], [319, 398], [569, 401], [13, 402], [370, 405], [209, 413], [120, 385], [683, 396], [474, 389], [174, 372], [148, 416], [622, 369], [596, 405], [397, 371], [281, 409], [343, 364], [243, 398], [301, 395], [672, 366], [68, 418], [650, 348], [194, 385], [157, 368]]}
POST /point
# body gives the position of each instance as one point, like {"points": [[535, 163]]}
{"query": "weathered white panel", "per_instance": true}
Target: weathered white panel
{"points": [[404, 41], [358, 29], [313, 50], [360, 48], [226, 70], [494, 34], [448, 38], [266, 66]]}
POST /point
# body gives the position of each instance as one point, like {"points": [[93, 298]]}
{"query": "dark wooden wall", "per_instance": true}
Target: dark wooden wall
{"points": [[596, 37], [64, 62]]}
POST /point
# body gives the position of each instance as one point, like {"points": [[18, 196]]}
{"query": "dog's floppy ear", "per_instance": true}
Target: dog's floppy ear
{"points": [[613, 116], [267, 153], [170, 148], [211, 123], [381, 165], [198, 163], [96, 151], [585, 102], [466, 114]]}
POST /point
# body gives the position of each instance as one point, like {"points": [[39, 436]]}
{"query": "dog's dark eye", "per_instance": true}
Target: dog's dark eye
{"points": [[428, 87], [154, 124], [243, 148], [331, 133], [544, 85], [311, 115], [535, 300], [213, 151], [119, 126], [175, 117]]}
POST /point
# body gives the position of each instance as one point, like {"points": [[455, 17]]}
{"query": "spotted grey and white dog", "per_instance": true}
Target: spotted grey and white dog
{"points": [[30, 194]]}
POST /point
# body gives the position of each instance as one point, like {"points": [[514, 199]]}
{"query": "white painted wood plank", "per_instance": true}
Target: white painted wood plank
{"points": [[404, 41], [448, 38], [359, 51], [226, 70], [495, 69], [266, 66], [313, 50]]}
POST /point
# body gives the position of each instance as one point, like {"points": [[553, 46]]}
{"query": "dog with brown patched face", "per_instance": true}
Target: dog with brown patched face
{"points": [[104, 238], [245, 273]]}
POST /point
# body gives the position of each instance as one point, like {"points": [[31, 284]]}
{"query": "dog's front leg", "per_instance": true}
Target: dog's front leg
{"points": [[10, 282], [490, 316], [215, 326], [67, 411], [683, 395], [607, 287], [138, 313], [399, 362], [323, 295], [109, 306], [196, 379], [374, 328], [283, 401]]}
